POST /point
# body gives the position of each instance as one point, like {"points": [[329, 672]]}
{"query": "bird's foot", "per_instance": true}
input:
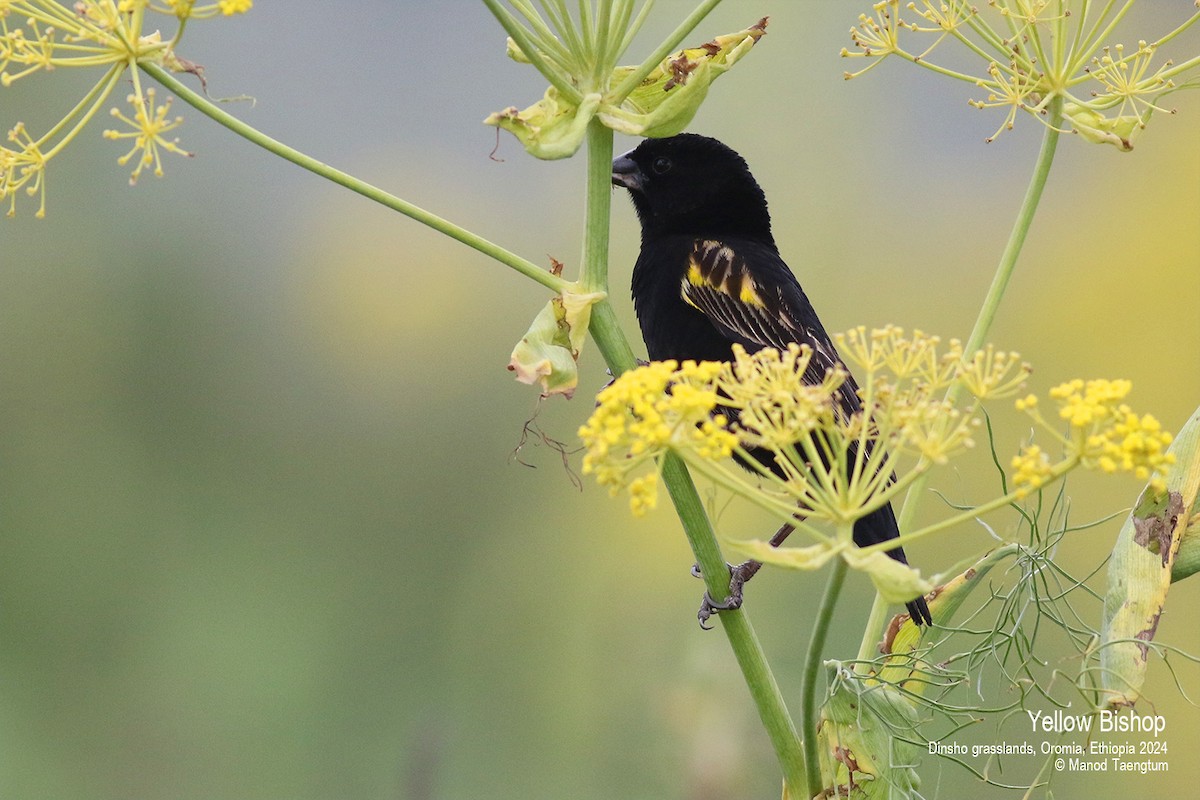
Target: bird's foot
{"points": [[738, 576]]}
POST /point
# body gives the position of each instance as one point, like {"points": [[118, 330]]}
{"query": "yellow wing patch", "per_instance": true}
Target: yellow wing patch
{"points": [[750, 293], [712, 265]]}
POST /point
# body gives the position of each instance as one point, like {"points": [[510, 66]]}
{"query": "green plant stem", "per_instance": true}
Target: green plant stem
{"points": [[875, 623], [987, 313], [696, 526], [1016, 239], [598, 212], [736, 623], [812, 668], [210, 109], [1004, 273], [593, 277]]}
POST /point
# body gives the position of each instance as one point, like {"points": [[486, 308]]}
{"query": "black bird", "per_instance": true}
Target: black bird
{"points": [[709, 275]]}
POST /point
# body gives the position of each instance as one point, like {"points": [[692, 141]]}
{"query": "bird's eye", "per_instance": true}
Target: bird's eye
{"points": [[661, 165]]}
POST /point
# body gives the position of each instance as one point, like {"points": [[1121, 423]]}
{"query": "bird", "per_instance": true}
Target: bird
{"points": [[709, 275]]}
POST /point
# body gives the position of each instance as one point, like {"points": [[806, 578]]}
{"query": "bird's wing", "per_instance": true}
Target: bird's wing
{"points": [[751, 296]]}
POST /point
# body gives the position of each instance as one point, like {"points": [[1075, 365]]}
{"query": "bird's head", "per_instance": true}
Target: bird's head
{"points": [[692, 185]]}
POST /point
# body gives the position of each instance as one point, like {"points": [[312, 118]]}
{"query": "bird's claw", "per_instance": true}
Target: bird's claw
{"points": [[738, 575]]}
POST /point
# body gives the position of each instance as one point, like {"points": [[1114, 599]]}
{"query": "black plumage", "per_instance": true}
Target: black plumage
{"points": [[709, 275]]}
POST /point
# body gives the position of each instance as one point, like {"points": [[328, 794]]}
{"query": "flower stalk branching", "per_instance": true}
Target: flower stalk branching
{"points": [[39, 36], [1032, 52], [835, 468]]}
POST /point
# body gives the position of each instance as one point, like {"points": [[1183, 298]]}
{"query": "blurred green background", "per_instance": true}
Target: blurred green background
{"points": [[263, 532]]}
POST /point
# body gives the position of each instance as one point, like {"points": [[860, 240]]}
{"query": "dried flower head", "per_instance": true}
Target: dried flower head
{"points": [[40, 36], [1032, 52]]}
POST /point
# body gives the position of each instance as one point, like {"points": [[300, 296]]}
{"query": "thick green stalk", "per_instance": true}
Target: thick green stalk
{"points": [[812, 668], [605, 329], [207, 107], [696, 526], [593, 276], [746, 648]]}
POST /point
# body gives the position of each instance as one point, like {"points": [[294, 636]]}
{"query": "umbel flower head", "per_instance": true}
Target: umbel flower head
{"points": [[764, 400], [836, 468], [1102, 433], [1033, 51], [40, 36], [645, 412]]}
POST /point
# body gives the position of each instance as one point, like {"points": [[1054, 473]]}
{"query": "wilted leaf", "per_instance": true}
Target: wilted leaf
{"points": [[1186, 448], [548, 353], [665, 102], [662, 105], [1099, 129], [805, 558], [1187, 560], [896, 582], [1141, 569], [863, 733], [550, 128]]}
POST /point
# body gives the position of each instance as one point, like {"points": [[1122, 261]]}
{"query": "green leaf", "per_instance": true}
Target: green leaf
{"points": [[1186, 448], [1187, 560]]}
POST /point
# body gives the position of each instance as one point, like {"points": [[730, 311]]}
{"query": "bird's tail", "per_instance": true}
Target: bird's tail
{"points": [[880, 526]]}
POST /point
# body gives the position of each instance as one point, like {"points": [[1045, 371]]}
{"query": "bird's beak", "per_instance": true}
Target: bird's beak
{"points": [[625, 172]]}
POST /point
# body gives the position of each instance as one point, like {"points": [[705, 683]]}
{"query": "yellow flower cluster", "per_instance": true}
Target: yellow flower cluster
{"points": [[642, 414], [1103, 433], [776, 406], [987, 374], [1082, 404], [149, 123], [188, 9], [914, 356], [44, 35], [1130, 444], [817, 426], [991, 374], [841, 450], [1031, 469]]}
